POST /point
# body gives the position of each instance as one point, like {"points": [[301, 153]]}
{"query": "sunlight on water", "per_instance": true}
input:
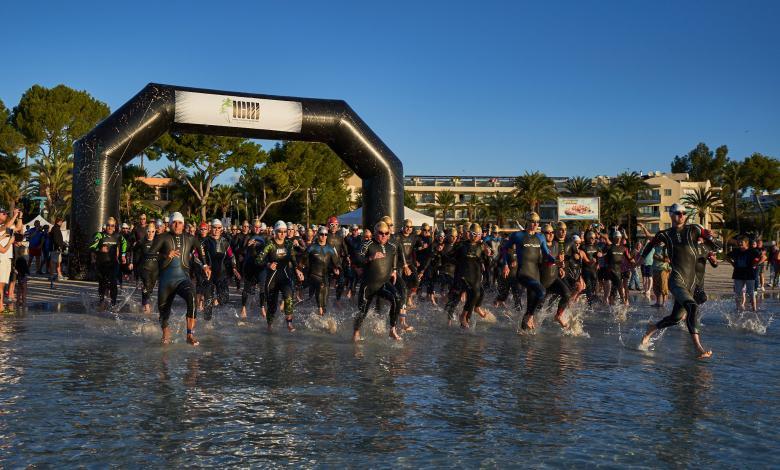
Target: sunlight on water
{"points": [[102, 390]]}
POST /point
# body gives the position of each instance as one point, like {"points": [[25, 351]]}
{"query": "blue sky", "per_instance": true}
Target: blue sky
{"points": [[489, 88]]}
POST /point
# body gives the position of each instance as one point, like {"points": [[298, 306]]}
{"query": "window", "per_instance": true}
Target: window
{"points": [[427, 198], [667, 192]]}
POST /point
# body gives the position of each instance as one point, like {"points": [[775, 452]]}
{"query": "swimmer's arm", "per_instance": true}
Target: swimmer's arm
{"points": [[709, 239], [546, 254], [96, 241], [651, 245]]}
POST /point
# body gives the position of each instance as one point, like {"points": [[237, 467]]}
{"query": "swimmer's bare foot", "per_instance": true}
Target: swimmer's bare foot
{"points": [[561, 321], [191, 340], [528, 322], [394, 334], [356, 336], [321, 311], [705, 355], [262, 312], [407, 327], [166, 336], [290, 326], [651, 328], [433, 300]]}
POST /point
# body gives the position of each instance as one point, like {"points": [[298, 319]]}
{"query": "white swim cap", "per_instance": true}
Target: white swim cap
{"points": [[279, 226]]}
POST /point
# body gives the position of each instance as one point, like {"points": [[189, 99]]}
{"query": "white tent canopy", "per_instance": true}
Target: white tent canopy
{"points": [[40, 219], [356, 217]]}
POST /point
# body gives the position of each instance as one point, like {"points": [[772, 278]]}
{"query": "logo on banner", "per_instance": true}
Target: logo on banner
{"points": [[235, 110]]}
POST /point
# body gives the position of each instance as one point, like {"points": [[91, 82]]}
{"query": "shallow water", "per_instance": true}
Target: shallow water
{"points": [[83, 389]]}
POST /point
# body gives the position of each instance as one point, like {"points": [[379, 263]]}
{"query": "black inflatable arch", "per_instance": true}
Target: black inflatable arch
{"points": [[157, 109]]}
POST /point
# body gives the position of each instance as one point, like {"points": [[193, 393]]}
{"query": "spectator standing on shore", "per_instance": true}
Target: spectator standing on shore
{"points": [[47, 246], [744, 259], [58, 248], [6, 255], [774, 263], [35, 237], [761, 267]]}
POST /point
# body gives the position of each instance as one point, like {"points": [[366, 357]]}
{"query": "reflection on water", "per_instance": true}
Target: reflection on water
{"points": [[95, 390]]}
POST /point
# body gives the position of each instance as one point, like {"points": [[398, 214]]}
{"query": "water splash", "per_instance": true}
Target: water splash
{"points": [[322, 323], [748, 321]]}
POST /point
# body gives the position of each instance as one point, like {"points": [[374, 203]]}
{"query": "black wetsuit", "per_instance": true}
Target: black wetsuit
{"points": [[337, 241], [551, 280], [404, 283], [493, 267], [590, 270], [279, 280], [375, 281], [109, 249], [470, 259], [253, 274], [573, 263], [505, 285], [219, 257], [423, 251], [146, 264], [353, 249], [683, 251], [175, 272], [322, 259], [532, 251], [615, 255]]}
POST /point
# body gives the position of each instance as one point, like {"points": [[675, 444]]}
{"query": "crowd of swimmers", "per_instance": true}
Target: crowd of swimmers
{"points": [[395, 268]]}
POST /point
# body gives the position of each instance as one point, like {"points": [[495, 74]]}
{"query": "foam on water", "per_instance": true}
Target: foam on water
{"points": [[749, 321]]}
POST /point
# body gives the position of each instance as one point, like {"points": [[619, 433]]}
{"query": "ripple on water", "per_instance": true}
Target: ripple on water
{"points": [[102, 390]]}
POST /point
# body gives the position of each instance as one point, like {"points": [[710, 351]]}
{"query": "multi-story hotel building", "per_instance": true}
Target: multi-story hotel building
{"points": [[666, 189]]}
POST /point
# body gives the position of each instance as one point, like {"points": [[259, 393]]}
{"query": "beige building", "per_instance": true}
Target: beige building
{"points": [[667, 189]]}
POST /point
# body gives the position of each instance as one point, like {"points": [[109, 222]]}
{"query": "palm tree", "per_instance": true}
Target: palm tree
{"points": [[223, 197], [474, 207], [500, 206], [704, 201], [13, 187], [631, 184], [533, 189], [53, 179], [133, 196], [445, 200], [409, 200], [616, 204], [171, 172], [734, 186], [579, 186]]}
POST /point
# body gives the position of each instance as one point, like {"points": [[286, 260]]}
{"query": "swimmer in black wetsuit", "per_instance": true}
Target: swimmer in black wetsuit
{"points": [[146, 266], [219, 257], [379, 259], [279, 258], [253, 274], [551, 275], [177, 252], [470, 258], [531, 249], [109, 248], [322, 259], [615, 254], [682, 245]]}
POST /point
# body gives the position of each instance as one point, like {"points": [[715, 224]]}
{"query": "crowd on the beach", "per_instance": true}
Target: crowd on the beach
{"points": [[444, 267], [26, 249]]}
